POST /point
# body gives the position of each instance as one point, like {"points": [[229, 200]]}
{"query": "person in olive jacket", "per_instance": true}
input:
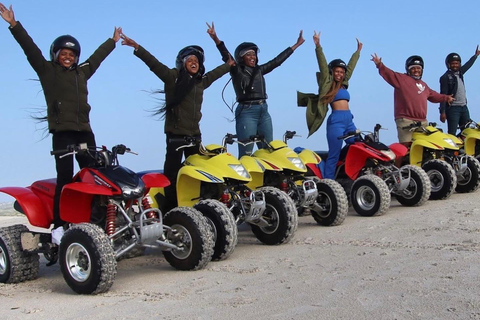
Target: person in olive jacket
{"points": [[184, 86], [64, 83], [251, 115]]}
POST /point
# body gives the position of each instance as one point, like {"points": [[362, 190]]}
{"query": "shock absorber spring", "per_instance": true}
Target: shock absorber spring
{"points": [[111, 215], [225, 197], [284, 186], [146, 205]]}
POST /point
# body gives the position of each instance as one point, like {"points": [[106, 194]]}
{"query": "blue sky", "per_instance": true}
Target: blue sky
{"points": [[118, 92]]}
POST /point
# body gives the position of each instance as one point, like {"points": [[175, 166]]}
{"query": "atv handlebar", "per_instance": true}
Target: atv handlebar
{"points": [[101, 155]]}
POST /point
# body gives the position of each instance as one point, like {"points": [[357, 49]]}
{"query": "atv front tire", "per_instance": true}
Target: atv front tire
{"points": [[469, 180], [331, 206], [191, 232], [442, 178], [370, 196], [419, 189], [281, 216], [16, 265], [223, 225], [87, 259]]}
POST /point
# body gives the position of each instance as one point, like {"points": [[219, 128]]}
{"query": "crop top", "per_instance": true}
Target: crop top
{"points": [[342, 94]]}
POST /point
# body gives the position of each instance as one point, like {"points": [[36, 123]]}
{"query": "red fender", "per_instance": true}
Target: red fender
{"points": [[76, 201], [155, 180], [357, 155], [399, 149], [36, 211], [316, 171]]}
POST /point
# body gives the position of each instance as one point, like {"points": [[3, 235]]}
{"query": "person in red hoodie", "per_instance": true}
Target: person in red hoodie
{"points": [[410, 95]]}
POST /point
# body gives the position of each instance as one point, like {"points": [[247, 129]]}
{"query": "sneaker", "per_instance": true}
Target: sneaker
{"points": [[57, 235]]}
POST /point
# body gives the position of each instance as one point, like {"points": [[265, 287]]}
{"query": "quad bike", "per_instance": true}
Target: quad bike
{"points": [[324, 199], [470, 135], [367, 168], [109, 217], [218, 175], [220, 218], [447, 166]]}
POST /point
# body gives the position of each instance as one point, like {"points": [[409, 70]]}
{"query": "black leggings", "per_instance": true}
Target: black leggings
{"points": [[173, 163], [64, 166]]}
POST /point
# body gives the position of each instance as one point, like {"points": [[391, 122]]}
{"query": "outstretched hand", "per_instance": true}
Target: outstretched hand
{"points": [[359, 45], [377, 60], [126, 41], [8, 14], [117, 34], [316, 38], [213, 34], [299, 42], [477, 52]]}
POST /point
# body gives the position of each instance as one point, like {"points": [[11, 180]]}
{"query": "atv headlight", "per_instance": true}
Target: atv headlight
{"points": [[130, 193], [450, 142], [297, 162], [240, 170], [389, 153]]}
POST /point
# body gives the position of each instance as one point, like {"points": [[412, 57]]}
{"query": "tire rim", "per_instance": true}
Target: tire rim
{"points": [[272, 217], [325, 204], [183, 239], [78, 261], [214, 229], [436, 179], [411, 190], [3, 261], [465, 178], [366, 198]]}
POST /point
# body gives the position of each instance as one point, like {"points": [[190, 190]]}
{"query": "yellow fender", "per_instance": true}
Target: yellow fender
{"points": [[256, 167], [278, 157], [416, 150], [309, 156], [471, 136]]}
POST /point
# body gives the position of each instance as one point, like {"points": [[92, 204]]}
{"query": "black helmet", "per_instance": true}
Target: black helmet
{"points": [[65, 42], [188, 51], [413, 61], [337, 63], [243, 48], [452, 57]]}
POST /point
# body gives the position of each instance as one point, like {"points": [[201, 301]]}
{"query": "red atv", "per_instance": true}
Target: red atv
{"points": [[367, 172], [109, 217]]}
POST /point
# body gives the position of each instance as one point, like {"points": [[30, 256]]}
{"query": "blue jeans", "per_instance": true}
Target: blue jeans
{"points": [[252, 119], [338, 123], [456, 116]]}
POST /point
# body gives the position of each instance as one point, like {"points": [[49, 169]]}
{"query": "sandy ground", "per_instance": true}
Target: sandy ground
{"points": [[411, 263]]}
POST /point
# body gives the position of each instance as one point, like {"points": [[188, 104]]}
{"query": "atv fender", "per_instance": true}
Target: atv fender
{"points": [[357, 156], [399, 149], [416, 150], [32, 206], [76, 201], [471, 136], [188, 184], [155, 180], [308, 156], [256, 168]]}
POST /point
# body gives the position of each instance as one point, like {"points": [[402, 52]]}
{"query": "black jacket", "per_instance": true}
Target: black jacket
{"points": [[448, 81], [242, 75], [65, 90]]}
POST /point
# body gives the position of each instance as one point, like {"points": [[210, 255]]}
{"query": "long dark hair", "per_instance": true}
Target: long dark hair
{"points": [[183, 85]]}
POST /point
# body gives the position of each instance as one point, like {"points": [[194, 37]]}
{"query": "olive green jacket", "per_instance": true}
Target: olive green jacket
{"points": [[316, 110], [65, 90], [185, 118]]}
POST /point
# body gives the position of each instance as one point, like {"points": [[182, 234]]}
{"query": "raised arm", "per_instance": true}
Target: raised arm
{"points": [[226, 56], [299, 42], [8, 15]]}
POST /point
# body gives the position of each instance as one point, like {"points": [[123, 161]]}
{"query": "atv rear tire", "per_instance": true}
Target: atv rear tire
{"points": [[419, 188], [332, 202], [469, 181], [87, 259], [223, 226], [16, 265], [192, 232], [442, 178], [370, 196], [281, 215]]}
